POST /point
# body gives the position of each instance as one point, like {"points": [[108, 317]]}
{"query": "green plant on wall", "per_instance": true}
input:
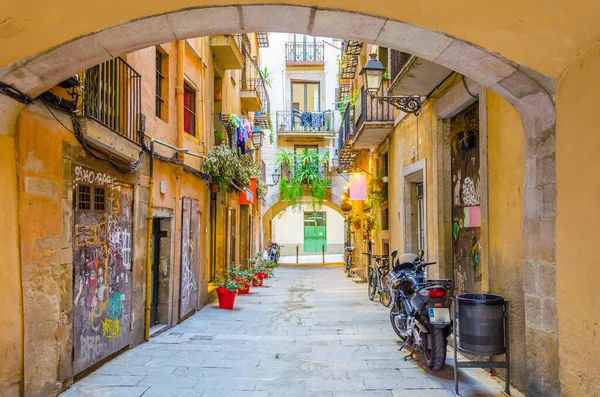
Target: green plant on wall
{"points": [[377, 192], [307, 175], [372, 222]]}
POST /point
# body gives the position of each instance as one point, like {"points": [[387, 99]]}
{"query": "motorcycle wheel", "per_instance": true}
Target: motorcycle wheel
{"points": [[394, 312], [435, 355], [386, 294], [372, 287]]}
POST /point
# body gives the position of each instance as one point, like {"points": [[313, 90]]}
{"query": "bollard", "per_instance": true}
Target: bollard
{"points": [[323, 252], [297, 250]]}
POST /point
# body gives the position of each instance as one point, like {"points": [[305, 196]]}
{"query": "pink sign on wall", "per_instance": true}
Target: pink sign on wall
{"points": [[358, 186], [472, 216]]}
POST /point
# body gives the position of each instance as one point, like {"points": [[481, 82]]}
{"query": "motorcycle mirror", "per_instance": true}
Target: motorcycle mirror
{"points": [[394, 253], [420, 254]]}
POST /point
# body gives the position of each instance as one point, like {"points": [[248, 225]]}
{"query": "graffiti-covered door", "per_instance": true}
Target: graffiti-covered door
{"points": [[102, 260], [466, 214], [190, 257]]}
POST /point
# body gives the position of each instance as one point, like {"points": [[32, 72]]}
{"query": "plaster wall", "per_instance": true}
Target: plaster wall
{"points": [[506, 162], [11, 320], [578, 226], [45, 211]]}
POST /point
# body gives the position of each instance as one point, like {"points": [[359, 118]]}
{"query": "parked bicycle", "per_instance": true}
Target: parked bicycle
{"points": [[274, 251], [379, 279], [349, 260]]}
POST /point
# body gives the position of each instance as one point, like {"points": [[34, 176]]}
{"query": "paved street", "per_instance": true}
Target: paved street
{"points": [[308, 332]]}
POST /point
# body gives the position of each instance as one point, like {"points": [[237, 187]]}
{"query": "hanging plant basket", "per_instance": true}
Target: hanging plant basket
{"points": [[214, 187], [385, 204], [371, 225], [357, 225], [346, 206]]}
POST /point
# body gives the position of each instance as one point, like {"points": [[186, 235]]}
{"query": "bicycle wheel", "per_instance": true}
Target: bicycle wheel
{"points": [[348, 266], [372, 285], [386, 294]]}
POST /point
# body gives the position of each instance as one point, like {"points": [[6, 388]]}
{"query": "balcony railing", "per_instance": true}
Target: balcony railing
{"points": [[372, 110], [112, 96], [288, 172], [345, 128], [252, 79], [297, 121], [243, 42], [304, 52], [398, 60]]}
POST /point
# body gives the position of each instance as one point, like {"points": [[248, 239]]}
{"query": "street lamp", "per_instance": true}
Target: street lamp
{"points": [[276, 175], [372, 74], [257, 136]]}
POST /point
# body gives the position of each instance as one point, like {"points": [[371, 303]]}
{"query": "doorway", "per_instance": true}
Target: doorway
{"points": [[155, 271], [315, 231]]}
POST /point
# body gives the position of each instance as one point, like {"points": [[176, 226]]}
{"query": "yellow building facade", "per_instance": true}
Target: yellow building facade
{"points": [[116, 244], [540, 58]]}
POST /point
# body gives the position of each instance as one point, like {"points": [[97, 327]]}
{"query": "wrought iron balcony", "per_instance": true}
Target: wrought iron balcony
{"points": [[253, 83], [112, 96], [304, 52], [398, 60], [288, 172], [372, 110], [297, 121]]}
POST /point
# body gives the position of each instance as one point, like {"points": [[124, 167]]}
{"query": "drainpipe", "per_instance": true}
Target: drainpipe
{"points": [[149, 243], [179, 91]]}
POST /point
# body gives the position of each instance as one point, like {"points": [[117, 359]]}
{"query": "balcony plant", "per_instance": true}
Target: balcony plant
{"points": [[307, 174], [226, 290], [221, 164]]}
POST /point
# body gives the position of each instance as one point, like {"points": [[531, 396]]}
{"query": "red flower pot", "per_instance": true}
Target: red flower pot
{"points": [[266, 274], [258, 281], [226, 298], [246, 289], [214, 187]]}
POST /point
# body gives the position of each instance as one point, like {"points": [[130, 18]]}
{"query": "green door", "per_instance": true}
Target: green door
{"points": [[315, 231]]}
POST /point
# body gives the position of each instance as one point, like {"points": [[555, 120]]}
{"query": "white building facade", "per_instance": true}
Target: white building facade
{"points": [[303, 76]]}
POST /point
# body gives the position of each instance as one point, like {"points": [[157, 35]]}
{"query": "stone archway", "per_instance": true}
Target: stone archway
{"points": [[518, 85]]}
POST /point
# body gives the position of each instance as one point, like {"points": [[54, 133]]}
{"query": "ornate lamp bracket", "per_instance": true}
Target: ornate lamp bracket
{"points": [[407, 104]]}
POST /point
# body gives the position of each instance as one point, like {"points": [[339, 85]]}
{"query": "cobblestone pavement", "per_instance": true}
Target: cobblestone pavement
{"points": [[307, 332]]}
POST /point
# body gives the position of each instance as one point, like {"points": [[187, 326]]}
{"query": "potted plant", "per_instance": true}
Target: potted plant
{"points": [[356, 222], [257, 280], [226, 290], [221, 164], [269, 265], [372, 222], [243, 277]]}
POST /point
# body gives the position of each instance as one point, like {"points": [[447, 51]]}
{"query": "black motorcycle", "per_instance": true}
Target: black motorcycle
{"points": [[420, 312]]}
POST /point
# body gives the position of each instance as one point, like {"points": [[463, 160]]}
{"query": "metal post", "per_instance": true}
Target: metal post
{"points": [[323, 252], [454, 330], [297, 250], [507, 342]]}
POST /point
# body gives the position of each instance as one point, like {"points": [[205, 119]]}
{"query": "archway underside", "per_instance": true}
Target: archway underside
{"points": [[517, 84]]}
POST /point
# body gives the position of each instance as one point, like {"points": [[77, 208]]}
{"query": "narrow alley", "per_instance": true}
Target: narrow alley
{"points": [[307, 332]]}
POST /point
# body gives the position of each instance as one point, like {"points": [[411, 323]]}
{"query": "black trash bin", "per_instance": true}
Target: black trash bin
{"points": [[481, 324]]}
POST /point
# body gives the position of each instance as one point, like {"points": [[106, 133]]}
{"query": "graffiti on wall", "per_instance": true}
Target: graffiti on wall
{"points": [[101, 267], [190, 256], [466, 215]]}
